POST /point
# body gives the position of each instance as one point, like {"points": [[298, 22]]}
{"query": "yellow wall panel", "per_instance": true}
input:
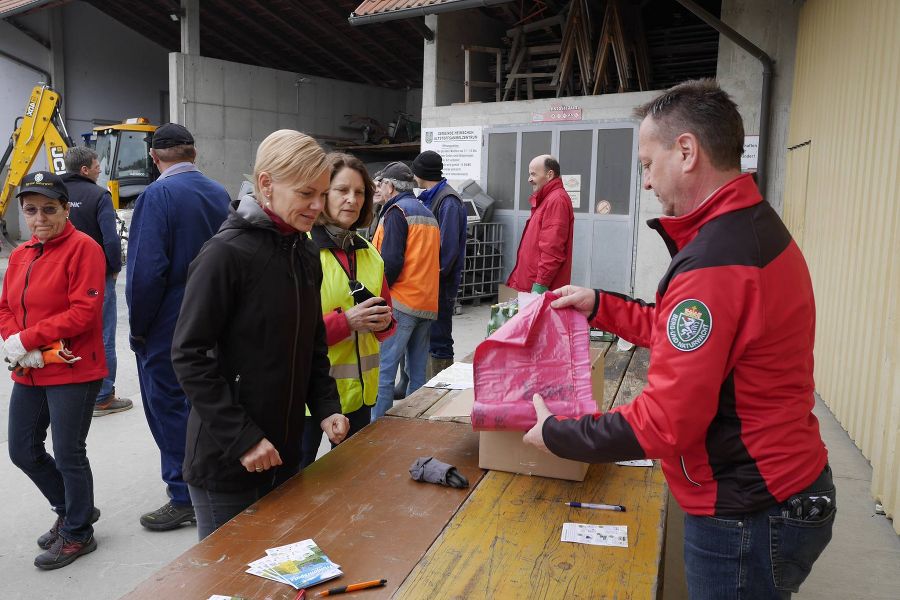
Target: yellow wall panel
{"points": [[841, 201]]}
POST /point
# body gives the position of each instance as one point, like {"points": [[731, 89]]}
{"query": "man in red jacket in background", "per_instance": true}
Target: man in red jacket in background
{"points": [[544, 259]]}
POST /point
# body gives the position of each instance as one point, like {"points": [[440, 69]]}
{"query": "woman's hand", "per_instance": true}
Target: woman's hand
{"points": [[261, 457], [13, 349], [369, 315], [336, 427]]}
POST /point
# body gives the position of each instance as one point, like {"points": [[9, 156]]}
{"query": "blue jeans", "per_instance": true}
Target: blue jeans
{"points": [[109, 339], [166, 408], [214, 509], [410, 339], [764, 555], [65, 479]]}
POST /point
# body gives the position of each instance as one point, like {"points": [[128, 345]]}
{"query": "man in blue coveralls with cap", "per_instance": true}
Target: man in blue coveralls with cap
{"points": [[172, 219]]}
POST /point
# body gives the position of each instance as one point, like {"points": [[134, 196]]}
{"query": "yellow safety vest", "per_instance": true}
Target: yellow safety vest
{"points": [[354, 360]]}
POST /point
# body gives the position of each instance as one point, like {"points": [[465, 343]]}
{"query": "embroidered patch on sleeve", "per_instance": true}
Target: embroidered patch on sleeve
{"points": [[689, 325]]}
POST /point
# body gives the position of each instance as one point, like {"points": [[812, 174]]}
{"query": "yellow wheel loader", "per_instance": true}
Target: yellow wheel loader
{"points": [[123, 151]]}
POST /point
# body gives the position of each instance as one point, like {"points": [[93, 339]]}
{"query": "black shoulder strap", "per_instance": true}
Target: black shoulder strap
{"points": [[441, 196]]}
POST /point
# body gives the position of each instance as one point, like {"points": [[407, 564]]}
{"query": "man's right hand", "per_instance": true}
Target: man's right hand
{"points": [[261, 457], [369, 315], [581, 299]]}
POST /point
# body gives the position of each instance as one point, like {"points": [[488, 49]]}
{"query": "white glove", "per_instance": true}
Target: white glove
{"points": [[13, 349], [33, 359]]}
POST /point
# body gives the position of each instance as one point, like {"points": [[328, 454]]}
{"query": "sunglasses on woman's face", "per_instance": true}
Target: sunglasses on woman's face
{"points": [[47, 210]]}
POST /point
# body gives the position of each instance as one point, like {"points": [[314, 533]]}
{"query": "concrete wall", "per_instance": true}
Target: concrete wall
{"points": [[230, 108], [17, 79], [772, 26], [112, 72]]}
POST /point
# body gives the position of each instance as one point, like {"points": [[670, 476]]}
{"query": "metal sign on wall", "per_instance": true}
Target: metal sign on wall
{"points": [[459, 147], [557, 113], [751, 153]]}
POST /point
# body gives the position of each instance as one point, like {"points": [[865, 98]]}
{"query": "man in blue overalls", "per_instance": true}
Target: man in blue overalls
{"points": [[172, 219]]}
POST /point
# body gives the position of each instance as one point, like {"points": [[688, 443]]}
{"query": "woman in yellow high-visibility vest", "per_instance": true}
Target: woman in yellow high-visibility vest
{"points": [[356, 303]]}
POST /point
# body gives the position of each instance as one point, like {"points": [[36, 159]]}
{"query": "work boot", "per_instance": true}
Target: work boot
{"points": [[46, 540], [63, 552], [436, 365], [112, 405], [168, 516]]}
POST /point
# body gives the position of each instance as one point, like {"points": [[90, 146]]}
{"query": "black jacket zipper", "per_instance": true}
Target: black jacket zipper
{"points": [[290, 405]]}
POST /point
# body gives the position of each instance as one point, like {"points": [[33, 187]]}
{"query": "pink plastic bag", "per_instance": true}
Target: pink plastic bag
{"points": [[540, 350]]}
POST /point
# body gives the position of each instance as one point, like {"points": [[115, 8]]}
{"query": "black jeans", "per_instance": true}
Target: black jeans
{"points": [[213, 509], [65, 479]]}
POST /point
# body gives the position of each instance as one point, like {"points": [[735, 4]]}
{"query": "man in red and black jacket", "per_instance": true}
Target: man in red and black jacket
{"points": [[730, 392]]}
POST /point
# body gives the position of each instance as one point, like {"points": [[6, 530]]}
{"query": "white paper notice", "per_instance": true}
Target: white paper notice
{"points": [[596, 535], [644, 462], [459, 147], [457, 376]]}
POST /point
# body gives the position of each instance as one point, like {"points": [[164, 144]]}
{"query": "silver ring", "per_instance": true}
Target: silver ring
{"points": [[259, 469]]}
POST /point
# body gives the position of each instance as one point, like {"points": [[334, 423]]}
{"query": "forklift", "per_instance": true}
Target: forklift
{"points": [[123, 151]]}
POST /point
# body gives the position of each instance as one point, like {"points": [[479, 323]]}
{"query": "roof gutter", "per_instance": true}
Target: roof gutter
{"points": [[421, 11], [768, 64], [25, 7]]}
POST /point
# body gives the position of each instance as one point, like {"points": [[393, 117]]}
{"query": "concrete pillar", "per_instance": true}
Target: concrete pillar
{"points": [[429, 64], [190, 27]]}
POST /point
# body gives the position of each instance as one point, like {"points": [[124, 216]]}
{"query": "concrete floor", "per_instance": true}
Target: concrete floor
{"points": [[862, 562]]}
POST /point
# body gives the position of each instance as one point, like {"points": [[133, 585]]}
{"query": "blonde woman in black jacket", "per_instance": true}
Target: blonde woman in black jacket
{"points": [[249, 348]]}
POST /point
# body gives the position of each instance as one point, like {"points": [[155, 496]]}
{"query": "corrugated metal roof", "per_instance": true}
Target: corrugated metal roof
{"points": [[9, 8], [371, 7], [372, 11]]}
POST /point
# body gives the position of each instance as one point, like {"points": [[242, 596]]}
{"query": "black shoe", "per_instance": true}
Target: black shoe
{"points": [[45, 541], [169, 516], [63, 552]]}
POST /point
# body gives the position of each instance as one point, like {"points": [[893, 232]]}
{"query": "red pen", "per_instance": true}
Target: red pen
{"points": [[301, 595]]}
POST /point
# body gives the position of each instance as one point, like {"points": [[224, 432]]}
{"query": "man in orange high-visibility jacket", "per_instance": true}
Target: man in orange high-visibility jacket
{"points": [[409, 241]]}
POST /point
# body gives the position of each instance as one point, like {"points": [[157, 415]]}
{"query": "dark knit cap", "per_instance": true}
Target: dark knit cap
{"points": [[428, 166]]}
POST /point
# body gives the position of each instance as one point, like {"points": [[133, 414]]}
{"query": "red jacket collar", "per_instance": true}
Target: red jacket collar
{"points": [[59, 239], [538, 196], [738, 193]]}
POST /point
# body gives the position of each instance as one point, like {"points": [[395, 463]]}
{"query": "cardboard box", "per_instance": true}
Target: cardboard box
{"points": [[506, 293], [505, 450]]}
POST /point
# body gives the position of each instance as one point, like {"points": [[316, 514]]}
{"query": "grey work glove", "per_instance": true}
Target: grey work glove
{"points": [[33, 359], [430, 469]]}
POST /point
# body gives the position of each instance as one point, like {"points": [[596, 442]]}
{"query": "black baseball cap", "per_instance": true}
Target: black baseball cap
{"points": [[171, 135], [397, 171], [44, 183]]}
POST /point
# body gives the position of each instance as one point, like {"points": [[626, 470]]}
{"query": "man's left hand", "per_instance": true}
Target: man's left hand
{"points": [[535, 435], [336, 427]]}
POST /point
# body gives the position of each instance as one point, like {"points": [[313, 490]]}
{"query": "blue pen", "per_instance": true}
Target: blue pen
{"points": [[615, 507]]}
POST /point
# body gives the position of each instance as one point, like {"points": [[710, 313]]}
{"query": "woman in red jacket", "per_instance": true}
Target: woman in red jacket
{"points": [[51, 321]]}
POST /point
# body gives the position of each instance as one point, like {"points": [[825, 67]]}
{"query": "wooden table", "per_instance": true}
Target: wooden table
{"points": [[500, 538]]}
